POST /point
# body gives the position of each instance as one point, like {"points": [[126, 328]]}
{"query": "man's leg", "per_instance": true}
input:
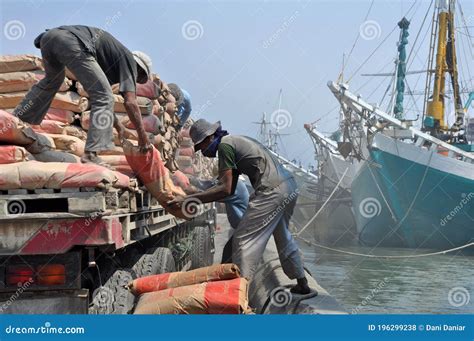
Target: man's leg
{"points": [[100, 133], [257, 225], [288, 250], [33, 108]]}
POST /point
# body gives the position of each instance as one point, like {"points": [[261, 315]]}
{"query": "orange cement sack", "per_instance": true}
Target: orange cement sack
{"points": [[64, 116], [151, 170], [70, 144], [177, 279], [220, 297], [12, 154], [13, 131], [23, 81], [49, 127], [22, 62], [56, 175]]}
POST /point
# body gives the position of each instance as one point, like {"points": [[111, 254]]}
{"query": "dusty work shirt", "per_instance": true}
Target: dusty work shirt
{"points": [[114, 58], [251, 158]]}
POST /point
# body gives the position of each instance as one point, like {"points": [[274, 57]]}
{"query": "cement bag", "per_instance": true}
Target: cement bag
{"points": [[186, 142], [180, 179], [184, 132], [150, 169], [41, 144], [63, 100], [145, 105], [115, 151], [23, 81], [187, 170], [151, 124], [184, 161], [14, 131], [149, 90], [115, 160], [75, 131], [56, 156], [56, 175], [49, 127], [70, 144], [22, 62], [221, 297], [64, 116], [177, 279], [12, 154], [70, 101], [186, 151]]}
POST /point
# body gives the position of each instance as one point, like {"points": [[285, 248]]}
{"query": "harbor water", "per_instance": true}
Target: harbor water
{"points": [[440, 284]]}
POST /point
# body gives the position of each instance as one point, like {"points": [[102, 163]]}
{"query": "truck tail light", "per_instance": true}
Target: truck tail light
{"points": [[19, 275], [51, 274]]}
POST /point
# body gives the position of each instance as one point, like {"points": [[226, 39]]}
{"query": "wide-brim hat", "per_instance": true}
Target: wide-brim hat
{"points": [[202, 129]]}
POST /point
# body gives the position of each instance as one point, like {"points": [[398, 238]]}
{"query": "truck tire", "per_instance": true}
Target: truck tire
{"points": [[201, 251], [156, 261], [113, 297]]}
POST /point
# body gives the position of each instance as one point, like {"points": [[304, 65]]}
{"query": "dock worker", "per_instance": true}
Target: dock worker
{"points": [[97, 60], [270, 206], [183, 103]]}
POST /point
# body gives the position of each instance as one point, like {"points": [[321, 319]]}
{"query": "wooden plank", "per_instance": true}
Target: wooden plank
{"points": [[17, 191], [44, 191], [111, 199], [94, 203], [70, 190]]}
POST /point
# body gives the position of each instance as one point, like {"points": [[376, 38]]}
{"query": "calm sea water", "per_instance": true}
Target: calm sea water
{"points": [[441, 284]]}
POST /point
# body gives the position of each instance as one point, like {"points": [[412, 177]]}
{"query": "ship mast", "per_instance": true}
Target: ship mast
{"points": [[445, 63]]}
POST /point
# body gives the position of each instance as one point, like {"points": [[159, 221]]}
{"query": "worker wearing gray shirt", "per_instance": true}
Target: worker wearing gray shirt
{"points": [[97, 60], [270, 206]]}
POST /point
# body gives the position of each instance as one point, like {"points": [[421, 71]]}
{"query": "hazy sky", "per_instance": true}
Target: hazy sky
{"points": [[234, 56]]}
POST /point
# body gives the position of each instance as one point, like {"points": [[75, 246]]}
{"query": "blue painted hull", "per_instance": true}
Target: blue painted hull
{"points": [[415, 206]]}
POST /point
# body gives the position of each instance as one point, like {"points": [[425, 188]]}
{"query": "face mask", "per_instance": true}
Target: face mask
{"points": [[211, 150]]}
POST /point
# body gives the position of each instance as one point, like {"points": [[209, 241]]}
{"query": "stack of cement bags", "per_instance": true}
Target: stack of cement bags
{"points": [[190, 163], [217, 289]]}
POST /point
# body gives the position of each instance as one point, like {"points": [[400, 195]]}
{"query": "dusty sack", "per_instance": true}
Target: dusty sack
{"points": [[23, 81], [70, 144], [151, 170], [13, 131], [22, 62], [145, 105], [220, 297], [177, 279], [56, 156], [62, 100], [55, 175], [12, 154], [64, 116], [49, 127], [151, 124]]}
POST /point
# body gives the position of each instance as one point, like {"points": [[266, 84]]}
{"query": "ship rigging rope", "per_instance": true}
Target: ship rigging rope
{"points": [[386, 256], [322, 207]]}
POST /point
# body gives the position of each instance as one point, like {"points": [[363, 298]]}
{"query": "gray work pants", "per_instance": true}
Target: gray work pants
{"points": [[60, 49], [268, 214]]}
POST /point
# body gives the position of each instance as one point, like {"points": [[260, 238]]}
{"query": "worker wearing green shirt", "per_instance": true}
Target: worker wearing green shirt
{"points": [[270, 206]]}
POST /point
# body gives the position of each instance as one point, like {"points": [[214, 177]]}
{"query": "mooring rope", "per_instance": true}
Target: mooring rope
{"points": [[387, 256]]}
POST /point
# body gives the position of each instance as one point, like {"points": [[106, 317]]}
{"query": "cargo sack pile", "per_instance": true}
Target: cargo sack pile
{"points": [[44, 155], [217, 289]]}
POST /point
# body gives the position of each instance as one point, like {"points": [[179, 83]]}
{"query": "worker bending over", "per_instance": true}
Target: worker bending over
{"points": [[270, 207], [97, 60]]}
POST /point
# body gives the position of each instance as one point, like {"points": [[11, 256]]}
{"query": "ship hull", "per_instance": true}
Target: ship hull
{"points": [[419, 198]]}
